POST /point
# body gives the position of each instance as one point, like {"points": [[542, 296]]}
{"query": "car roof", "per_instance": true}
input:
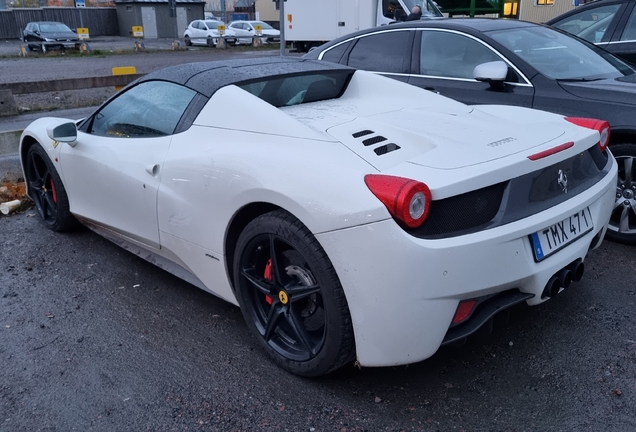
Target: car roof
{"points": [[207, 77], [46, 22], [479, 24], [459, 24]]}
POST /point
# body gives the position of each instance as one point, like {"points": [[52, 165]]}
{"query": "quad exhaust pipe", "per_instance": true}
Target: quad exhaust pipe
{"points": [[564, 278]]}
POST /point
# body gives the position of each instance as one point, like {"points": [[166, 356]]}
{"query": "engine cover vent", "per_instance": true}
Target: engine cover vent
{"points": [[386, 148], [362, 133]]}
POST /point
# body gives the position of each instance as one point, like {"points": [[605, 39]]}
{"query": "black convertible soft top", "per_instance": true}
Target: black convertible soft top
{"points": [[207, 77]]}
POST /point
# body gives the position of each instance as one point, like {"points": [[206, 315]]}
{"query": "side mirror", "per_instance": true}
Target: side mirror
{"points": [[493, 73], [250, 29], [65, 132], [37, 32]]}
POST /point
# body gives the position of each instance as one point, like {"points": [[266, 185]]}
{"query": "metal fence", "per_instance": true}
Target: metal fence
{"points": [[99, 21]]}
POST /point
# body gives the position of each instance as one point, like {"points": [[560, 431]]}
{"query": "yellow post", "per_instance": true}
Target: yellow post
{"points": [[123, 70], [82, 33], [220, 43], [258, 30]]}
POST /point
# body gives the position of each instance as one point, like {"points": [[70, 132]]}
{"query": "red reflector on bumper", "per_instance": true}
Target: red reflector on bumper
{"points": [[551, 151], [464, 310]]}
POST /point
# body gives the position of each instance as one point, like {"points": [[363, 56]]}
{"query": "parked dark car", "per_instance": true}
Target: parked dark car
{"points": [[491, 61], [47, 35], [610, 24]]}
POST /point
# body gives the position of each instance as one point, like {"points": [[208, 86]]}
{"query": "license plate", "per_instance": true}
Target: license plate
{"points": [[231, 40], [69, 45], [554, 238]]}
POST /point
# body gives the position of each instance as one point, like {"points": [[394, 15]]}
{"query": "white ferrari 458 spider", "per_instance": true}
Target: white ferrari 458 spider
{"points": [[350, 216]]}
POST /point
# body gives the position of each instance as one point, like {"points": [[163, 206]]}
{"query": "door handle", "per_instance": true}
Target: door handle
{"points": [[153, 170], [431, 89]]}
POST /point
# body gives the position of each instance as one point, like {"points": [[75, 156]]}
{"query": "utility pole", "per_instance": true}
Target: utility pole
{"points": [[281, 6]]}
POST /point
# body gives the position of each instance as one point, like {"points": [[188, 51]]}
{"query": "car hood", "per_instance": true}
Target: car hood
{"points": [[440, 138], [60, 35], [619, 90]]}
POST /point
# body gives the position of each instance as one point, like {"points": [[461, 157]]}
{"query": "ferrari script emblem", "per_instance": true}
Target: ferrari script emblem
{"points": [[563, 181], [282, 296]]}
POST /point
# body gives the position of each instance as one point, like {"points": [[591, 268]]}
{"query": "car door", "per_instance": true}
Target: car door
{"points": [[200, 32], [623, 43], [241, 30], [445, 61], [387, 52], [33, 34], [113, 172]]}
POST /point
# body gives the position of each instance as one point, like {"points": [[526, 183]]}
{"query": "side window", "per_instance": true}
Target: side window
{"points": [[335, 54], [382, 52], [589, 24], [452, 55], [629, 33], [150, 109]]}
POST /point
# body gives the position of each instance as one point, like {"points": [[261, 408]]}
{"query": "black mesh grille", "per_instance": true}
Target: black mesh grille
{"points": [[462, 212], [387, 148], [362, 133], [374, 140]]}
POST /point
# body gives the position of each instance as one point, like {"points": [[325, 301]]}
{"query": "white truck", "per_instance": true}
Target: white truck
{"points": [[309, 23]]}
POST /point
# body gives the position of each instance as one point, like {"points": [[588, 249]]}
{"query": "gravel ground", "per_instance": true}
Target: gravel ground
{"points": [[93, 338]]}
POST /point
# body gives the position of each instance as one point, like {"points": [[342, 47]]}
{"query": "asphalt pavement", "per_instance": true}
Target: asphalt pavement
{"points": [[95, 338]]}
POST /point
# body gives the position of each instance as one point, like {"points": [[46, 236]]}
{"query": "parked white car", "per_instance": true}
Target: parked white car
{"points": [[246, 29], [206, 32], [349, 215]]}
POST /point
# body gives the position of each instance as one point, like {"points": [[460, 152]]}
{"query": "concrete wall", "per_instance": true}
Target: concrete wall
{"points": [[267, 11], [129, 15], [540, 14]]}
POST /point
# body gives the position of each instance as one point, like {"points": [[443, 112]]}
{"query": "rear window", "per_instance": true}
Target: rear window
{"points": [[298, 89]]}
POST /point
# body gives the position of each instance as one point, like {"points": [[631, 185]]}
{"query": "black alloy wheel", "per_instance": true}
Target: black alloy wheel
{"points": [[210, 42], [188, 42], [47, 191], [622, 225], [290, 296]]}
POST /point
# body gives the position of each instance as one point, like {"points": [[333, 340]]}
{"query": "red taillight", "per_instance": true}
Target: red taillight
{"points": [[464, 310], [601, 126], [550, 152], [408, 201]]}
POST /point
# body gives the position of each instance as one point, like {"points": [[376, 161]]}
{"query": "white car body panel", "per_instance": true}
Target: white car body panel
{"points": [[248, 36], [182, 193]]}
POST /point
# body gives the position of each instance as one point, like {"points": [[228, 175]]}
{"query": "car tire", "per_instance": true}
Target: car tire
{"points": [[47, 191], [622, 226], [188, 42], [291, 299], [210, 42]]}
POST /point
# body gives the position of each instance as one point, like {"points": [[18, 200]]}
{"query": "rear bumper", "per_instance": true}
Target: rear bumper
{"points": [[403, 291]]}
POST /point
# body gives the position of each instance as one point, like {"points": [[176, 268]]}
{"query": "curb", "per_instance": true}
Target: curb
{"points": [[10, 142]]}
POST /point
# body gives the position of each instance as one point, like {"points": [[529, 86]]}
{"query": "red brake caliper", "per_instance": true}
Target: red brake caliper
{"points": [[53, 191], [269, 277]]}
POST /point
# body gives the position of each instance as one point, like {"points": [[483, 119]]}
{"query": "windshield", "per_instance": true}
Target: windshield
{"points": [[54, 28], [560, 56], [213, 24], [265, 26], [429, 8]]}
